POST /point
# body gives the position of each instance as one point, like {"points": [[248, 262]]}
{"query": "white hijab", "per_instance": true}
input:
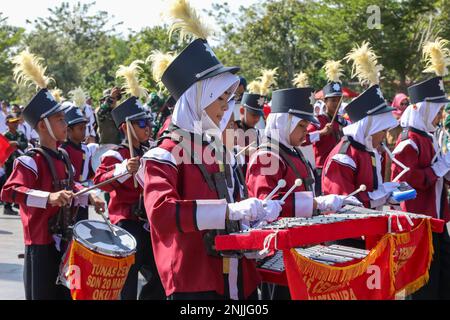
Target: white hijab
{"points": [[189, 113], [279, 126], [421, 115], [362, 130]]}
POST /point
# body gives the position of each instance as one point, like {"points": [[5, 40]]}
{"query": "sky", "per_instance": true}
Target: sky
{"points": [[135, 14]]}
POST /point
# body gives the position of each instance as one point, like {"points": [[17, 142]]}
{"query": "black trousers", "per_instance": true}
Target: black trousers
{"points": [[144, 263], [209, 295], [274, 292], [82, 214], [40, 272], [438, 286]]}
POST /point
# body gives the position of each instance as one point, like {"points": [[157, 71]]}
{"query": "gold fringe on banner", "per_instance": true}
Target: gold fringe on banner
{"points": [[342, 274]]}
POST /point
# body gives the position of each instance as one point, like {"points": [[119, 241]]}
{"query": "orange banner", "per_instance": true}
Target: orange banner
{"points": [[92, 276], [371, 278]]}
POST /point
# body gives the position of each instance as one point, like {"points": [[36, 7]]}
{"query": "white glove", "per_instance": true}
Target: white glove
{"points": [[273, 209], [334, 202], [442, 166], [250, 210]]}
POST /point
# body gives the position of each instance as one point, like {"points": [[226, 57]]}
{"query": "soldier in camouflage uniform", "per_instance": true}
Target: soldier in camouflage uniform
{"points": [[19, 141]]}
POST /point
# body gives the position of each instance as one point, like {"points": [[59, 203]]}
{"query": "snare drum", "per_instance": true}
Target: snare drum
{"points": [[96, 263]]}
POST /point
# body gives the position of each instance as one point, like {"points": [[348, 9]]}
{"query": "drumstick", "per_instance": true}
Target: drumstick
{"points": [[361, 188], [99, 185], [245, 149], [281, 184], [130, 144], [337, 109], [108, 223], [297, 184]]}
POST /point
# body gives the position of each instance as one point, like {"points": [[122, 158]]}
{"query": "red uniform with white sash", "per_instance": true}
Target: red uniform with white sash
{"points": [[416, 151], [179, 203], [123, 193], [347, 168]]}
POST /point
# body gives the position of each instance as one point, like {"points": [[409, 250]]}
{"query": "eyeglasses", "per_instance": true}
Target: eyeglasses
{"points": [[404, 104], [143, 123]]}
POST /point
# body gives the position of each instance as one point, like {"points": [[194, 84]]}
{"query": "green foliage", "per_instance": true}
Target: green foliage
{"points": [[82, 47]]}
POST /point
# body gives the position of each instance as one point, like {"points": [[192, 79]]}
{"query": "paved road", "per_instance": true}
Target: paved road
{"points": [[11, 266]]}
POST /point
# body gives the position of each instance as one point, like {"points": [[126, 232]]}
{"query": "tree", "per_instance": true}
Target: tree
{"points": [[9, 38], [80, 48]]}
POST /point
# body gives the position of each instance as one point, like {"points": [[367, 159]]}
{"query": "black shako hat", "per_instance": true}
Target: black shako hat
{"points": [[74, 116], [431, 90], [297, 101], [254, 102], [129, 110], [332, 89], [368, 103], [196, 62], [43, 105]]}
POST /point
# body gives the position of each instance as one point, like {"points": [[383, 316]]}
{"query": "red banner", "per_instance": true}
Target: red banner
{"points": [[371, 278], [92, 276], [5, 149], [412, 256]]}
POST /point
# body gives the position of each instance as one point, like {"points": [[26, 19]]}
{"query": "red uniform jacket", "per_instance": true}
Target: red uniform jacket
{"points": [[29, 186], [122, 191], [345, 173], [323, 147], [416, 152], [267, 167], [80, 156], [173, 192]]}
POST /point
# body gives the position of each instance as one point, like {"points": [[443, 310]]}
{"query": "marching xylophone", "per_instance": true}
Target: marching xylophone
{"points": [[350, 222], [304, 234]]}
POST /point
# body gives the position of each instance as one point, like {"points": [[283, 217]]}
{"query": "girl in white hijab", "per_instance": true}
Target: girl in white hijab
{"points": [[281, 159], [356, 160]]}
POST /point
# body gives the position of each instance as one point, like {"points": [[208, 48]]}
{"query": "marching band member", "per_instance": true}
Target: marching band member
{"points": [[325, 135], [42, 201], [251, 111], [126, 207], [417, 148], [280, 158], [80, 153], [355, 161], [189, 190]]}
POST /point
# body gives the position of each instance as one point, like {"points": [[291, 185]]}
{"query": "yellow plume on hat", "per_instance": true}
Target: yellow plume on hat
{"points": [[186, 20], [78, 97], [254, 87], [437, 56], [57, 94], [333, 70], [301, 80], [29, 70], [131, 76], [160, 62], [365, 64], [267, 80]]}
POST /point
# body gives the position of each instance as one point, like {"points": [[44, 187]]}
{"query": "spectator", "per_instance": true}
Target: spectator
{"points": [[107, 130], [19, 141]]}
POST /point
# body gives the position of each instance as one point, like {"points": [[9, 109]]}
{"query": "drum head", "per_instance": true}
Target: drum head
{"points": [[96, 236]]}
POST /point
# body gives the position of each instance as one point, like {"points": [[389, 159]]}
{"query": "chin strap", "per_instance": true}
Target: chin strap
{"points": [[133, 132], [49, 128]]}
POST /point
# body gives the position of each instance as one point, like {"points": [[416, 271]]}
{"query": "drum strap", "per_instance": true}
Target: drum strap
{"points": [[57, 183], [216, 182]]}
